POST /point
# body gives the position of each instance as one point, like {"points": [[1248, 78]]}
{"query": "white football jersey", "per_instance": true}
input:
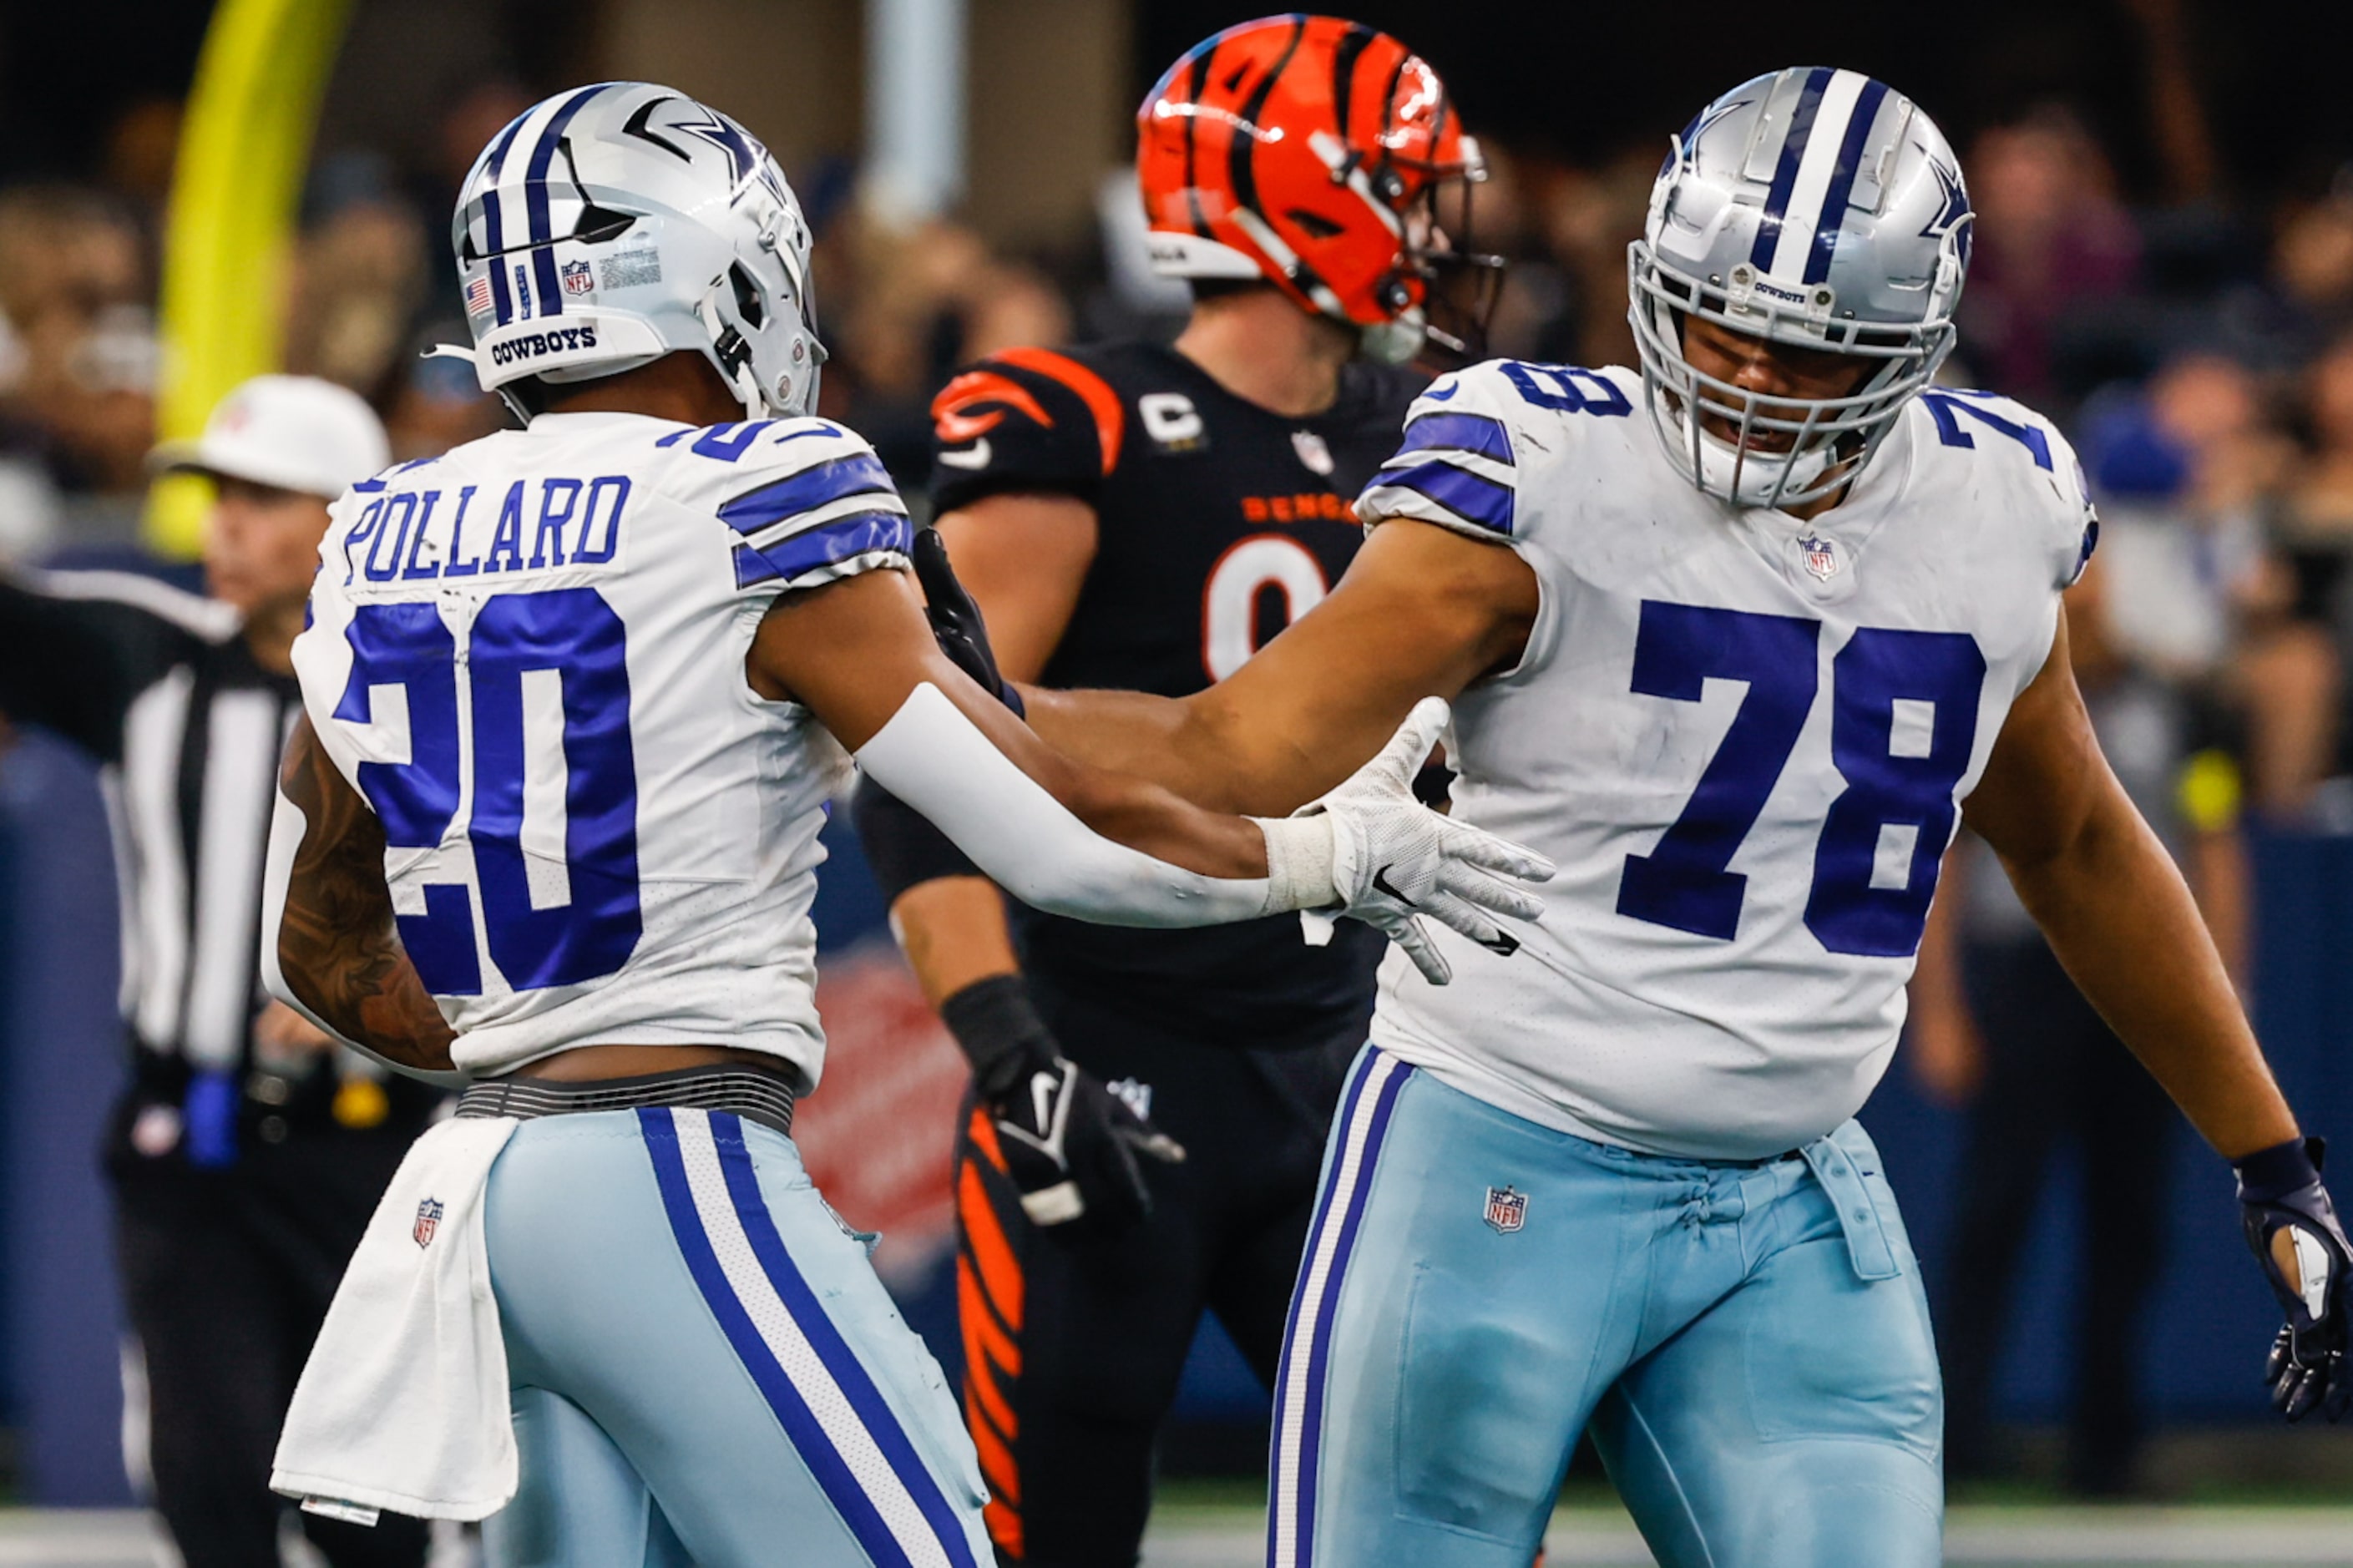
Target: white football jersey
{"points": [[1741, 736], [528, 655]]}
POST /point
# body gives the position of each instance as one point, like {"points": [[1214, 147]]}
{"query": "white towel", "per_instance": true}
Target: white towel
{"points": [[403, 1405]]}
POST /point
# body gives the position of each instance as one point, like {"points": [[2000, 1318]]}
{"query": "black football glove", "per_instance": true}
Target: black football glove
{"points": [[2293, 1230], [956, 620], [1069, 1144]]}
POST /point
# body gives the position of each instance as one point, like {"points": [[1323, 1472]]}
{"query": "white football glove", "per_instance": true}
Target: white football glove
{"points": [[1389, 859]]}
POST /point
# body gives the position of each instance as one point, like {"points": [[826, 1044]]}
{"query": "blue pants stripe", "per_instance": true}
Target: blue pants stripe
{"points": [[744, 1185], [1355, 1148], [825, 1460]]}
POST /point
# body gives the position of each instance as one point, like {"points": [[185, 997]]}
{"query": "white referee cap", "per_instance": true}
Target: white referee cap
{"points": [[295, 432]]}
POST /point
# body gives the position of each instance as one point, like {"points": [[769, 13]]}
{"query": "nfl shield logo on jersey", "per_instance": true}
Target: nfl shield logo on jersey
{"points": [[429, 1220], [1507, 1209], [1822, 557], [578, 279]]}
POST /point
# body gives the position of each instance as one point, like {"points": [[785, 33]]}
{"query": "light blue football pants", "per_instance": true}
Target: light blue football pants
{"points": [[1747, 1341], [705, 1369]]}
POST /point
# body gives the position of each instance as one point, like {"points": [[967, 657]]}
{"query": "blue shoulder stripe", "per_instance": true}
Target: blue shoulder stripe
{"points": [[1468, 495], [1458, 433], [796, 554], [820, 484]]}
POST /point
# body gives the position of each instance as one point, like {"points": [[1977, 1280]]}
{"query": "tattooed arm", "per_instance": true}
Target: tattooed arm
{"points": [[330, 949]]}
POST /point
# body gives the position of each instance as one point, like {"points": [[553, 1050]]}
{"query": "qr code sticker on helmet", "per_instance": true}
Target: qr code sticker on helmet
{"points": [[630, 268]]}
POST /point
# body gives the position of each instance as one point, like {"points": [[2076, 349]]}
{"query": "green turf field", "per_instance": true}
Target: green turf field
{"points": [[1217, 1526]]}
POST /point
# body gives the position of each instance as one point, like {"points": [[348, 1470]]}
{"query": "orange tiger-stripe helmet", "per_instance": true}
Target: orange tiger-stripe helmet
{"points": [[1304, 150]]}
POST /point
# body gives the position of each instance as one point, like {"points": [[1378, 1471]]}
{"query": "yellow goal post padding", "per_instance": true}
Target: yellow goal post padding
{"points": [[245, 143]]}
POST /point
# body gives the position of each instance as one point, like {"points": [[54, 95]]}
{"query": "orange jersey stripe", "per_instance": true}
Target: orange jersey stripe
{"points": [[984, 1137], [982, 1335], [985, 1402], [1110, 417], [996, 1465], [1004, 1528], [1001, 1270], [955, 426]]}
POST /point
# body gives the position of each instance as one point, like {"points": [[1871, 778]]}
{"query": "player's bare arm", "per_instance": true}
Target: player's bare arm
{"points": [[337, 946], [2120, 917], [2119, 914], [854, 651], [1024, 557], [1421, 613], [861, 654]]}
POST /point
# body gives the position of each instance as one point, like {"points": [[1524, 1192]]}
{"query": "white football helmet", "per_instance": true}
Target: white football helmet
{"points": [[1815, 207], [611, 225]]}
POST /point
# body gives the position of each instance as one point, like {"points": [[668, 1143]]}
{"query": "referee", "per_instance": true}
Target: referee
{"points": [[247, 1152]]}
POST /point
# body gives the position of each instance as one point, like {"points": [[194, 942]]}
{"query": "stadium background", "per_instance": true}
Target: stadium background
{"points": [[2161, 182]]}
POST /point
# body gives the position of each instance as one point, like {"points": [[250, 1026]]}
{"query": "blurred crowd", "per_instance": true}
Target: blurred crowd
{"points": [[2201, 353]]}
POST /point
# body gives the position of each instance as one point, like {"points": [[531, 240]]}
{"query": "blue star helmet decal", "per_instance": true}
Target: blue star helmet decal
{"points": [[746, 159], [1680, 148], [1954, 212]]}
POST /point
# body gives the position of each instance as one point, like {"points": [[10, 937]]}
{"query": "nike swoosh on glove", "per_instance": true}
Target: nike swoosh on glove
{"points": [[1393, 860], [1069, 1144], [2293, 1230], [956, 623]]}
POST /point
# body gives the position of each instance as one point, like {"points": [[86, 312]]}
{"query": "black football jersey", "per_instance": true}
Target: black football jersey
{"points": [[1219, 523]]}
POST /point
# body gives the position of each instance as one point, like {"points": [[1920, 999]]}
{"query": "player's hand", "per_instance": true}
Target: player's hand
{"points": [[1394, 860], [2293, 1227], [1070, 1145], [956, 623]]}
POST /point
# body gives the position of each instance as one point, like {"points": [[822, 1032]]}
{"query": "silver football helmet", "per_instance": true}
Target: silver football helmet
{"points": [[1815, 207], [611, 225]]}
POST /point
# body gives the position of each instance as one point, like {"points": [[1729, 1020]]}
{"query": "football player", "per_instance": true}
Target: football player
{"points": [[1733, 638], [1145, 517], [578, 696]]}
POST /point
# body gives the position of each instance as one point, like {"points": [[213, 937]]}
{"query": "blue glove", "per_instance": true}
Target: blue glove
{"points": [[2293, 1230]]}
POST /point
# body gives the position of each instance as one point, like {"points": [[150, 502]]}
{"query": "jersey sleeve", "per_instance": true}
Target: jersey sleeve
{"points": [[805, 501], [2076, 527], [1455, 466], [1027, 420], [2061, 524], [77, 646]]}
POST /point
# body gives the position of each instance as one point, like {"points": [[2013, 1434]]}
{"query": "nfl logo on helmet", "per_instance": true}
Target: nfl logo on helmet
{"points": [[1507, 1209], [578, 279], [429, 1220]]}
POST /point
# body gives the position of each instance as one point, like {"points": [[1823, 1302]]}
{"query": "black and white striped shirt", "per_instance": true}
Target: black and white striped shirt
{"points": [[158, 684]]}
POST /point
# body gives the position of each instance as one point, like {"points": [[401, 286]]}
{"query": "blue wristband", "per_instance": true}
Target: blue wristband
{"points": [[2267, 1176], [211, 1111]]}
